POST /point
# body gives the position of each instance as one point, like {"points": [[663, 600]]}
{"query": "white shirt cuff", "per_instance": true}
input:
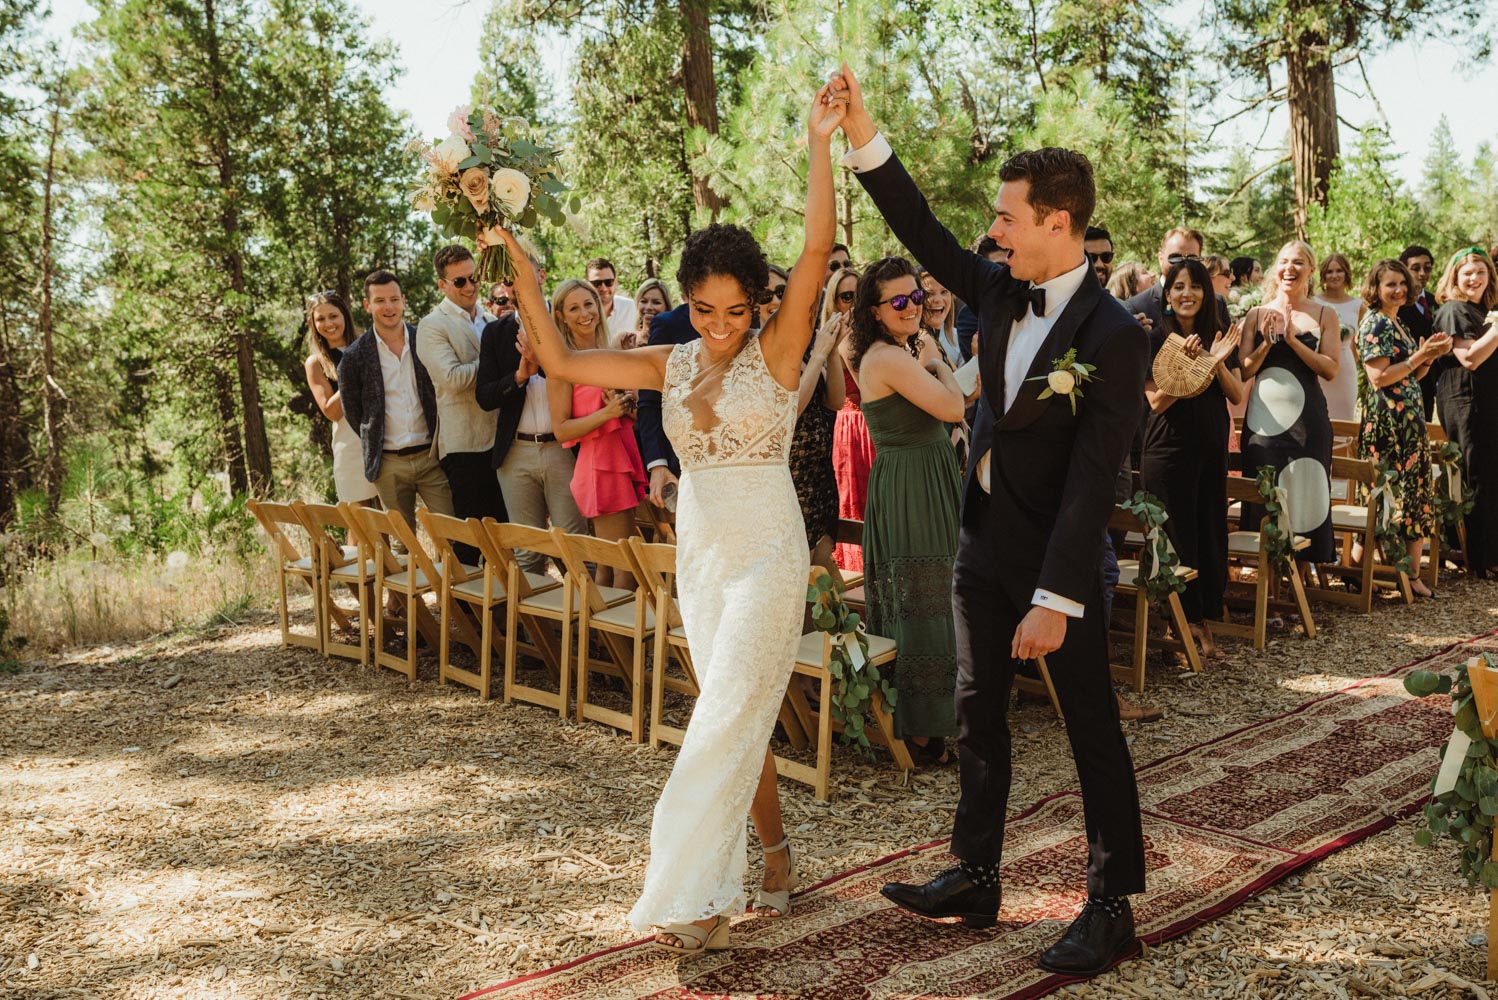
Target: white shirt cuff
{"points": [[874, 153], [1055, 602], [658, 463]]}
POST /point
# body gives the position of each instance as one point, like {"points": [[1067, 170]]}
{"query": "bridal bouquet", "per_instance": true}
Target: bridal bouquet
{"points": [[489, 172]]}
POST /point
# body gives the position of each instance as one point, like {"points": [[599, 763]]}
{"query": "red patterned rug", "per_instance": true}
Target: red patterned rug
{"points": [[1222, 821]]}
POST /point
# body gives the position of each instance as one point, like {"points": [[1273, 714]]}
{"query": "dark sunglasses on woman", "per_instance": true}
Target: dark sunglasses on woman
{"points": [[846, 296], [901, 302], [778, 292]]}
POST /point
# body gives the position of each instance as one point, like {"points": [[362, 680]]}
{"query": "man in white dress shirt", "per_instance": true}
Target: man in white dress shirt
{"points": [[619, 310]]}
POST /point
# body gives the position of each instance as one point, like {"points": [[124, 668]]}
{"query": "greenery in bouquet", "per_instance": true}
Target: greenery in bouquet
{"points": [[1246, 300], [855, 678], [489, 172]]}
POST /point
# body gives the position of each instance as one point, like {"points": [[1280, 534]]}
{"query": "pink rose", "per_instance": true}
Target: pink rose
{"points": [[457, 122], [475, 185]]}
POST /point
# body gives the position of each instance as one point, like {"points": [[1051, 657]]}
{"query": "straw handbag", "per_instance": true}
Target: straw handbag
{"points": [[1180, 375]]}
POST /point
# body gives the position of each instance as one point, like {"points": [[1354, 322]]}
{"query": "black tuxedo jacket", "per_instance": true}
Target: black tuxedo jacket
{"points": [[674, 327], [361, 387], [495, 388], [1417, 323], [1052, 472]]}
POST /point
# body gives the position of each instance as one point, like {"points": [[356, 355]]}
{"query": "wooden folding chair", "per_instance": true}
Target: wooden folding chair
{"points": [[377, 531], [340, 564], [656, 524], [1249, 549], [616, 615], [1345, 438], [1040, 686], [655, 568], [533, 605], [850, 532], [1138, 638], [465, 592], [1357, 523], [276, 519], [1435, 543], [812, 657]]}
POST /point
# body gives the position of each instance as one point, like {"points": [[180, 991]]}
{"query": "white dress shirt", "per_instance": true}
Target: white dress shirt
{"points": [[1025, 338], [535, 417], [476, 320], [623, 316], [405, 423]]}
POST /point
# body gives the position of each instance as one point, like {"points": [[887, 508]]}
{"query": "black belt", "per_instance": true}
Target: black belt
{"points": [[537, 438], [415, 449]]}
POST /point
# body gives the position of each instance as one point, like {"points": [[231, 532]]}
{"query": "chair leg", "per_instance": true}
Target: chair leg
{"points": [[1183, 629], [512, 630], [444, 635], [886, 723], [1305, 605], [637, 671], [824, 738], [565, 673], [285, 612], [486, 654], [1050, 688], [583, 657], [1261, 601], [1141, 636]]}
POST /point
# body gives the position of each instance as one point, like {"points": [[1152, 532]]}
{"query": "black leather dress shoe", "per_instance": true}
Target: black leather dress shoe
{"points": [[950, 894], [1092, 943]]}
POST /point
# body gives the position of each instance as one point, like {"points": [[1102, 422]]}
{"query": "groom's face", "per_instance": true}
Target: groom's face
{"points": [[1016, 229]]}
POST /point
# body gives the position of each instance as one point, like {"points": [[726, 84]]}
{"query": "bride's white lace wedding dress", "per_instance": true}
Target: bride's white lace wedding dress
{"points": [[741, 575]]}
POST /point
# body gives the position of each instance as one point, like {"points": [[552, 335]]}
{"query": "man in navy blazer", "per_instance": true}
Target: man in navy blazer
{"points": [[674, 327]]}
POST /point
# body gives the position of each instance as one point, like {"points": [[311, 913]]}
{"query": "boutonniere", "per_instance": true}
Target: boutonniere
{"points": [[1065, 378]]}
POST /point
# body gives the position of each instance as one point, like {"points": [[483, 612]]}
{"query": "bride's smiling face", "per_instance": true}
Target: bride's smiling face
{"points": [[721, 312]]}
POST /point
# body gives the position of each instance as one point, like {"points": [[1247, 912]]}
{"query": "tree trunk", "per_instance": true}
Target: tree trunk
{"points": [[12, 432], [228, 428], [701, 88], [52, 398], [257, 445], [1314, 143]]}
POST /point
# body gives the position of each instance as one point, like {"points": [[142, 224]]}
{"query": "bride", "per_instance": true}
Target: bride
{"points": [[729, 407]]}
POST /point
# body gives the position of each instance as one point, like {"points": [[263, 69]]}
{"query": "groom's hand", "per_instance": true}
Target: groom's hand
{"points": [[857, 125], [1040, 632]]}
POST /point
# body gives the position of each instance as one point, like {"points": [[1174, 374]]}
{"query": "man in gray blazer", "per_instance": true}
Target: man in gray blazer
{"points": [[447, 341]]}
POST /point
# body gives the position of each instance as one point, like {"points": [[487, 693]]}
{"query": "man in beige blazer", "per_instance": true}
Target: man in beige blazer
{"points": [[447, 342]]}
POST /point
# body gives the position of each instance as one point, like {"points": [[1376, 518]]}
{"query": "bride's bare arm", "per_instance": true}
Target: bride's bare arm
{"points": [[642, 368], [785, 338]]}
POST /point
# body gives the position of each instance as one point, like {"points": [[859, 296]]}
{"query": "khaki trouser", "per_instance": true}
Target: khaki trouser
{"points": [[405, 477], [536, 480]]}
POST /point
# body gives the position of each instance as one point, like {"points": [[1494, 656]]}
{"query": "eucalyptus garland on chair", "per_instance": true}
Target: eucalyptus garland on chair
{"points": [[1279, 541], [1158, 561], [1386, 519], [855, 678], [1466, 812], [1454, 496]]}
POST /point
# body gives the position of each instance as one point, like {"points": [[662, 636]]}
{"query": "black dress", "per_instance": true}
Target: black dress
{"points": [[811, 467], [1184, 462], [1286, 427], [1469, 411]]}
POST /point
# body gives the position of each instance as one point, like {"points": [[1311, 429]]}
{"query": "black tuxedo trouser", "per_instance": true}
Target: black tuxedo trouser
{"points": [[470, 475], [987, 610]]}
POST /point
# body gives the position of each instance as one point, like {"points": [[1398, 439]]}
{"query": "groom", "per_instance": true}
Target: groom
{"points": [[1036, 502]]}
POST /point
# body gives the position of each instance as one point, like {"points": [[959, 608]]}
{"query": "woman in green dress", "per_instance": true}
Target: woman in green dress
{"points": [[1393, 429], [911, 518]]}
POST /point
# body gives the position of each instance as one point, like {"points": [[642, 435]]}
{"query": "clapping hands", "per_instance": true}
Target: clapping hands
{"points": [[1433, 347]]}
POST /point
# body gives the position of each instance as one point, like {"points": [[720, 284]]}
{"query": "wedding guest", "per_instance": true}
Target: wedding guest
{"points": [[1184, 460], [773, 295], [1097, 243], [447, 340], [840, 258], [501, 300], [608, 480], [329, 325], [619, 309], [667, 329], [1291, 345], [819, 398], [1129, 279], [911, 519], [1247, 276], [651, 299], [852, 448], [1180, 243], [388, 398], [1417, 315], [939, 319], [1336, 282], [532, 468], [1220, 272], [1468, 392], [1393, 429]]}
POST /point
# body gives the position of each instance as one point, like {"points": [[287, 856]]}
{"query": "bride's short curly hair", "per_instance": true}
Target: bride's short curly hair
{"points": [[725, 249]]}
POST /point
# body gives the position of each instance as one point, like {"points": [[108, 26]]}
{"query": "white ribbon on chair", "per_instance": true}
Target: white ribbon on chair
{"points": [[1452, 471], [854, 649], [1383, 498], [1282, 520], [1153, 538]]}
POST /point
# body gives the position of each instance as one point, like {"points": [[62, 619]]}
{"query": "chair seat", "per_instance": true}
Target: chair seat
{"points": [[551, 600], [475, 587], [350, 572], [623, 616], [402, 581], [1246, 543], [809, 652], [855, 595], [304, 564], [1349, 517], [1133, 539], [1128, 573], [852, 580]]}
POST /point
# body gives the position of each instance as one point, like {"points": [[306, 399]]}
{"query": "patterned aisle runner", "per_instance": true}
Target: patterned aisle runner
{"points": [[1222, 821]]}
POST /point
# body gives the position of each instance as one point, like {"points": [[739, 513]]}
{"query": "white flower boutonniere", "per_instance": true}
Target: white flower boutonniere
{"points": [[1065, 378]]}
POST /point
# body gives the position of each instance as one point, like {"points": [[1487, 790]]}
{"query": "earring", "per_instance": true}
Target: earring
{"points": [[1168, 310]]}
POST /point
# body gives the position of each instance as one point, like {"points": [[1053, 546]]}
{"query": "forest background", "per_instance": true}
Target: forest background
{"points": [[181, 174]]}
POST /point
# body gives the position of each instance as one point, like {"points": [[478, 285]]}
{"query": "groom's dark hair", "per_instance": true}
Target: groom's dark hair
{"points": [[1060, 180]]}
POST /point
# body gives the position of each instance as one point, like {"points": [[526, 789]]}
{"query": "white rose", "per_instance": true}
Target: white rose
{"points": [[449, 153], [1061, 383], [511, 189], [424, 200]]}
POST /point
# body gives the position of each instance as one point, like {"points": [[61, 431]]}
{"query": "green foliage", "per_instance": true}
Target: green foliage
{"points": [[855, 679], [1386, 523], [1447, 459], [1158, 561], [1279, 540], [1466, 813], [1368, 214]]}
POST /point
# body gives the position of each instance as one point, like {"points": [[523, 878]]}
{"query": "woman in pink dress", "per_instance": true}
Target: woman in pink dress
{"points": [[609, 479], [852, 447]]}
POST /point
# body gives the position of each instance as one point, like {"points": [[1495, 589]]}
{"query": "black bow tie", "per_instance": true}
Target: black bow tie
{"points": [[1028, 299]]}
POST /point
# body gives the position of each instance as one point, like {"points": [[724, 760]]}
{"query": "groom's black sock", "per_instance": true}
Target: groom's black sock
{"points": [[985, 876], [1114, 906]]}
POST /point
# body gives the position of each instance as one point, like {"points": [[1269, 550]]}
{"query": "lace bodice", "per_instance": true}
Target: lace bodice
{"points": [[730, 413]]}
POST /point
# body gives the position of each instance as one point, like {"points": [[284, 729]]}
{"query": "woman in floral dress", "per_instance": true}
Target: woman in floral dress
{"points": [[1393, 429]]}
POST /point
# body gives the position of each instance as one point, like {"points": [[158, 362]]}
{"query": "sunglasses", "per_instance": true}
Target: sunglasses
{"points": [[502, 300], [778, 292], [602, 282], [846, 296], [461, 282], [838, 265], [318, 298], [1106, 256], [915, 298], [1178, 258]]}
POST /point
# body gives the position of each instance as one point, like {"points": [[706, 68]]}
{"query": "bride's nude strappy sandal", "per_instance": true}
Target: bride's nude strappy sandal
{"points": [[778, 900], [695, 940]]}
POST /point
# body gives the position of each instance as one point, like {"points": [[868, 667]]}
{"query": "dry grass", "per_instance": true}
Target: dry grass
{"points": [[81, 601], [214, 816]]}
